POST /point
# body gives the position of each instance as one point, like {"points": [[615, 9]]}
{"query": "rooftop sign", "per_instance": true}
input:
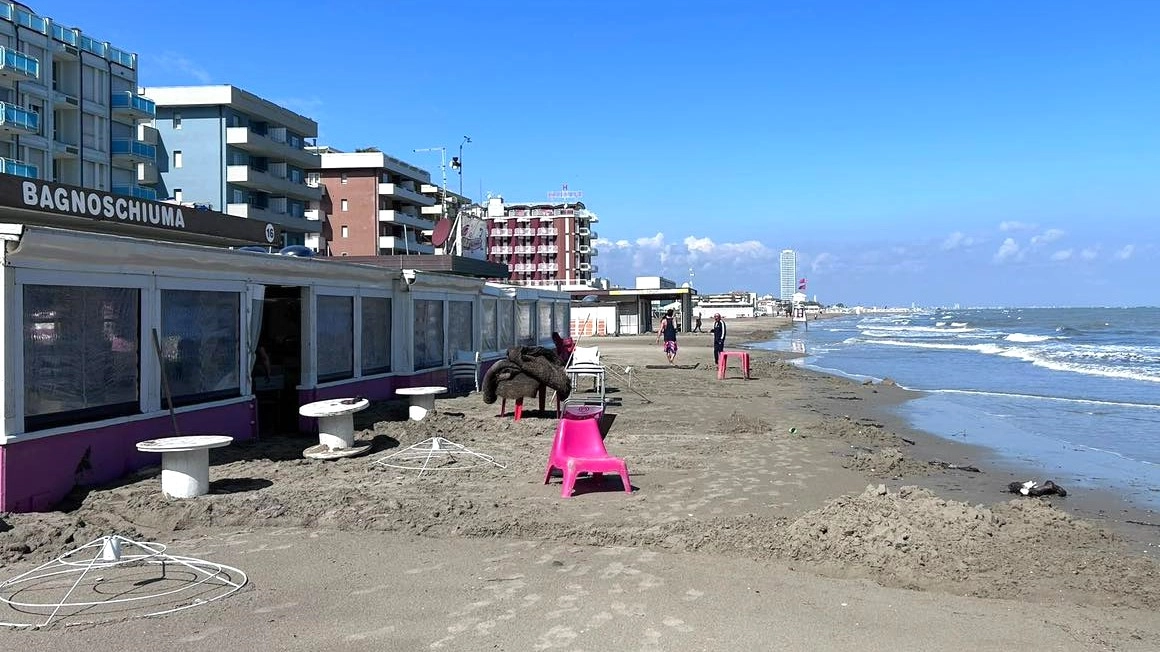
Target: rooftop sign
{"points": [[93, 210]]}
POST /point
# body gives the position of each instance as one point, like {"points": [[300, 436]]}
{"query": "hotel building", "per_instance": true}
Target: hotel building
{"points": [[376, 205], [543, 244], [70, 111], [789, 278], [234, 152]]}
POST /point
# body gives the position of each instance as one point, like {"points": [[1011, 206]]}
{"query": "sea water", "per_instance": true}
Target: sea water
{"points": [[1072, 393]]}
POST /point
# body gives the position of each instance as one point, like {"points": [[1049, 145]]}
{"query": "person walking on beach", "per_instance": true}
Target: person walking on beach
{"points": [[668, 330], [697, 325], [718, 337]]}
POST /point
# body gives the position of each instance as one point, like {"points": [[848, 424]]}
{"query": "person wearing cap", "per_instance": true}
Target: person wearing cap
{"points": [[718, 337]]}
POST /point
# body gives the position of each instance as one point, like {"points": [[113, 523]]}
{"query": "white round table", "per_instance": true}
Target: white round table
{"points": [[184, 462], [335, 420], [422, 400]]}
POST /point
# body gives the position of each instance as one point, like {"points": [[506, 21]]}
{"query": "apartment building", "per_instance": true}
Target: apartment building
{"points": [[376, 205], [234, 152], [70, 111], [543, 244]]}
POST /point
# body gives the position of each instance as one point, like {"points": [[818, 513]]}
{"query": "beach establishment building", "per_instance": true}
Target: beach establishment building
{"points": [[69, 107], [730, 305], [789, 280], [629, 311], [236, 153], [118, 309], [543, 244], [376, 205]]}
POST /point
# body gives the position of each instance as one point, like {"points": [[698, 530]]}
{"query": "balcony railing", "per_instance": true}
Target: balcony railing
{"points": [[19, 168], [93, 45], [13, 62], [31, 21], [135, 148], [134, 102], [65, 35], [136, 191], [117, 55], [13, 116]]}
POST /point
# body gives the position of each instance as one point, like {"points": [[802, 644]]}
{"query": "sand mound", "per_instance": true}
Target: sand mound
{"points": [[886, 463], [915, 539], [741, 423]]}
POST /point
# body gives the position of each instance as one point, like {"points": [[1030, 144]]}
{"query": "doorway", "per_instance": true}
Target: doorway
{"points": [[277, 369]]}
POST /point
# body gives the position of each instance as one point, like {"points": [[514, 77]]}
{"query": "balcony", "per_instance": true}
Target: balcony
{"points": [[18, 120], [130, 105], [315, 215], [389, 243], [525, 249], [547, 232], [126, 150], [500, 233], [251, 212], [521, 232], [19, 168], [405, 219], [399, 193], [248, 177], [546, 249], [436, 210], [17, 65], [264, 145], [136, 191], [147, 174], [500, 250], [547, 267]]}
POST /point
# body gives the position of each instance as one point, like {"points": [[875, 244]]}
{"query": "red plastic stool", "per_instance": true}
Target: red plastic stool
{"points": [[723, 362]]}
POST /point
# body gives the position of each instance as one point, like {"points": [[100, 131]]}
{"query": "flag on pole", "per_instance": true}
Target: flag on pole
{"points": [[801, 285]]}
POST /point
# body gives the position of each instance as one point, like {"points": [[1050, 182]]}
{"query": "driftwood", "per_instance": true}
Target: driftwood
{"points": [[523, 373], [958, 467]]}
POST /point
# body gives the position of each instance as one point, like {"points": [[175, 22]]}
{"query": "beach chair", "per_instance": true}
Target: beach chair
{"points": [[578, 448], [466, 365], [585, 363]]}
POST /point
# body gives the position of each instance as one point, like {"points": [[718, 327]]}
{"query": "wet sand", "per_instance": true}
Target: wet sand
{"points": [[788, 511]]}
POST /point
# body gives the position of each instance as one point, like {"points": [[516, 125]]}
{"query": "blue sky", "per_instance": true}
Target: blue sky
{"points": [[982, 153]]}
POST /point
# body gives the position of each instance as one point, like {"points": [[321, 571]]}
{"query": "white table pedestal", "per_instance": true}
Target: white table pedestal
{"points": [[335, 420], [336, 431], [185, 474], [422, 400], [184, 462]]}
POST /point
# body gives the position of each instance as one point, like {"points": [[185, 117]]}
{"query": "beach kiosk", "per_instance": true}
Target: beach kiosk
{"points": [[88, 277]]}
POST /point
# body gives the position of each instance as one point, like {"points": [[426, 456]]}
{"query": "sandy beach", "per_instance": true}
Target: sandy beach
{"points": [[786, 511]]}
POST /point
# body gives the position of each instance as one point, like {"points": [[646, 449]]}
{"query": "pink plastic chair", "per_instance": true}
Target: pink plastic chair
{"points": [[578, 448]]}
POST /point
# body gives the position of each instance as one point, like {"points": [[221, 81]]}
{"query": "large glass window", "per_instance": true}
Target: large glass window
{"points": [[460, 327], [81, 358], [507, 324], [544, 310], [200, 345], [335, 338], [560, 319], [376, 335], [525, 327], [490, 330], [428, 333]]}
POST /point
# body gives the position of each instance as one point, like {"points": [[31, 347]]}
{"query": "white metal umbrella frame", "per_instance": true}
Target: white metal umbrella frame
{"points": [[109, 556], [419, 457]]}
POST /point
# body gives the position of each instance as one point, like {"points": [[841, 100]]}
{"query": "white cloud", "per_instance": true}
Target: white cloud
{"points": [[821, 262], [699, 244], [1050, 235], [655, 242], [1062, 254], [172, 62], [1012, 225], [956, 240], [1009, 250], [1090, 253], [1125, 252]]}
